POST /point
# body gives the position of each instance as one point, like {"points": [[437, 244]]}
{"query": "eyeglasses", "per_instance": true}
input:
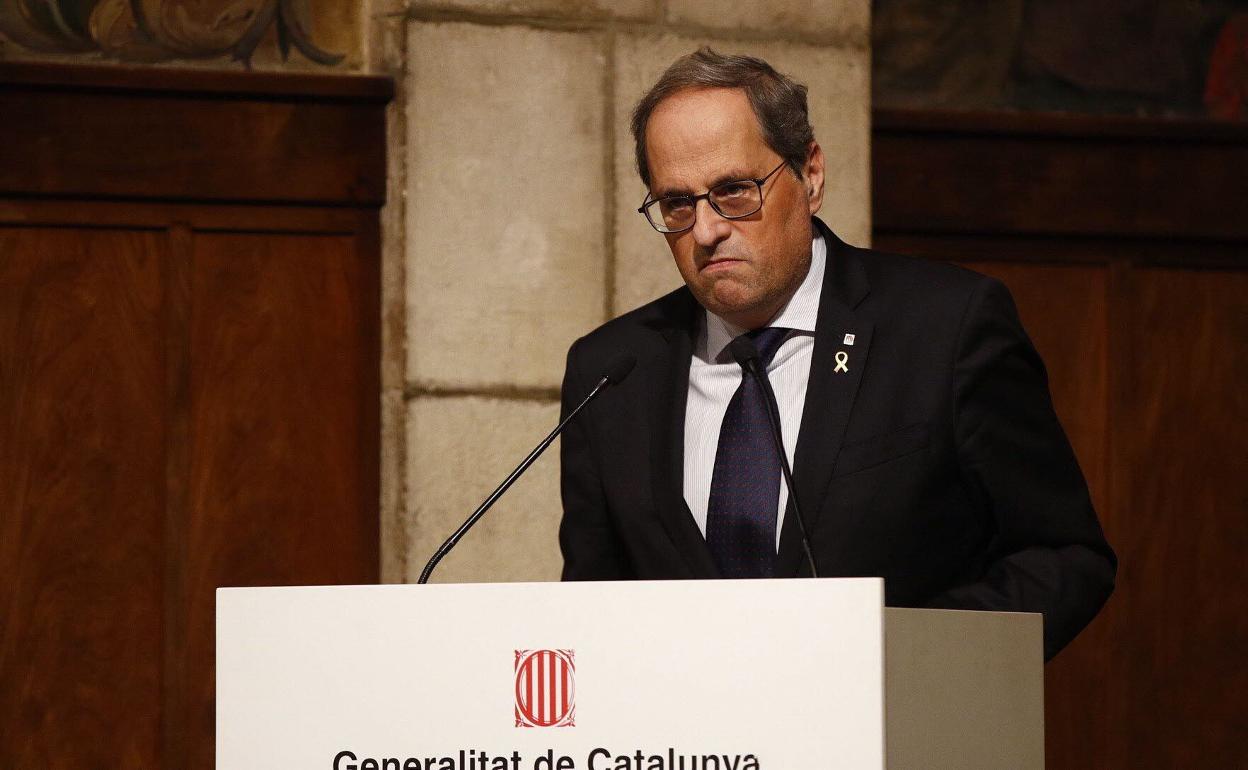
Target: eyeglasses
{"points": [[731, 200]]}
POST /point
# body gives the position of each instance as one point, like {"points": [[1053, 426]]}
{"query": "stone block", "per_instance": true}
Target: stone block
{"points": [[505, 202], [559, 9], [839, 100], [458, 450], [394, 253], [385, 35], [843, 21], [393, 535]]}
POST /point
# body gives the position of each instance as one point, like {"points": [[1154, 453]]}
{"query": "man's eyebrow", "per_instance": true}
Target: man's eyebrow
{"points": [[736, 175]]}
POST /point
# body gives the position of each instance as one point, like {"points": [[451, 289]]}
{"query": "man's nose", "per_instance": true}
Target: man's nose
{"points": [[709, 226]]}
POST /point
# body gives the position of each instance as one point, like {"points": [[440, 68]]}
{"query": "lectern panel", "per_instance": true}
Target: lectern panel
{"points": [[777, 674]]}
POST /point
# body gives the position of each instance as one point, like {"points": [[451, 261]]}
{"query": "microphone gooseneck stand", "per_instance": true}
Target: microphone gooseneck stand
{"points": [[616, 371]]}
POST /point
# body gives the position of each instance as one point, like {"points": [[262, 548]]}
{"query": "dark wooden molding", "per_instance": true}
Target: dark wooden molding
{"points": [[997, 174], [172, 81], [156, 215], [112, 133], [1056, 124], [970, 247]]}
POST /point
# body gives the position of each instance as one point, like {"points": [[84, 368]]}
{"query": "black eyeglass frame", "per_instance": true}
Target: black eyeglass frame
{"points": [[693, 200]]}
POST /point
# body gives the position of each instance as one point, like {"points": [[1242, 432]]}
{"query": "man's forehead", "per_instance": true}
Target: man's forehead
{"points": [[696, 133], [701, 111]]}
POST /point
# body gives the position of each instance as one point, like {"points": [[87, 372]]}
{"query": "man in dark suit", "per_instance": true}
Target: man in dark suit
{"points": [[916, 411]]}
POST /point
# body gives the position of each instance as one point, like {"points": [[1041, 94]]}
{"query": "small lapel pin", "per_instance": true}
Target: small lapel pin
{"points": [[849, 339], [842, 361]]}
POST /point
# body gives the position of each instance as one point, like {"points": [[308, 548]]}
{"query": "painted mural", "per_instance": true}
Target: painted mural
{"points": [[161, 30], [1133, 57]]}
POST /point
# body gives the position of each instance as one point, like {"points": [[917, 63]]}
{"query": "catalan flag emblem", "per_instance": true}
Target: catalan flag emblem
{"points": [[545, 688]]}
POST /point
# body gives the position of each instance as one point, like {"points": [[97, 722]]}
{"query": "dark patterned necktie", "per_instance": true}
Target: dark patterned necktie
{"points": [[745, 485]]}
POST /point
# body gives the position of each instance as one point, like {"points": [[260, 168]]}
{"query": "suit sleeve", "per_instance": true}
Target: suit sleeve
{"points": [[1049, 554], [591, 548]]}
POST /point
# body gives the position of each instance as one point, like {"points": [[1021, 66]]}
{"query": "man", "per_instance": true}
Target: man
{"points": [[913, 406]]}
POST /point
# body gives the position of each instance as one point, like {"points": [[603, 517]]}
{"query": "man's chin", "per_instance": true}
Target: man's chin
{"points": [[730, 303]]}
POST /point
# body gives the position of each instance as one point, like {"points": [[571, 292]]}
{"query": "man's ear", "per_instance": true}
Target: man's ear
{"points": [[813, 177]]}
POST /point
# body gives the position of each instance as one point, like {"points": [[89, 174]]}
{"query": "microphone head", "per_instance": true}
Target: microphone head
{"points": [[743, 350], [619, 367]]}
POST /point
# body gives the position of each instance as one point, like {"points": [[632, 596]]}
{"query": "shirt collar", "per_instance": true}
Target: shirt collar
{"points": [[800, 312]]}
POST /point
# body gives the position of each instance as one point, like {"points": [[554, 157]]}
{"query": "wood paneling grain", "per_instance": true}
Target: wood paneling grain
{"points": [[81, 497], [1144, 214], [1186, 591], [1065, 308], [160, 216], [175, 730], [189, 393], [1092, 178], [176, 143], [170, 81], [281, 380], [1061, 249]]}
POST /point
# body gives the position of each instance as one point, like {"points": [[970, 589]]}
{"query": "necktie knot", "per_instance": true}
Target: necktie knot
{"points": [[768, 341]]}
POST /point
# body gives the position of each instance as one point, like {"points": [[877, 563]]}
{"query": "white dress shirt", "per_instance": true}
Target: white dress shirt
{"points": [[714, 376]]}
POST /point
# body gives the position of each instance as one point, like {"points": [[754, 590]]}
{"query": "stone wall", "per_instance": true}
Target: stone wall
{"points": [[511, 230]]}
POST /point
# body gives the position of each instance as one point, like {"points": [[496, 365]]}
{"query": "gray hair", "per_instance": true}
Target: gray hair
{"points": [[778, 101]]}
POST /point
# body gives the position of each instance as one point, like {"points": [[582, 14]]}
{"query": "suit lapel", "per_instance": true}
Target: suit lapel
{"points": [[835, 372], [670, 396]]}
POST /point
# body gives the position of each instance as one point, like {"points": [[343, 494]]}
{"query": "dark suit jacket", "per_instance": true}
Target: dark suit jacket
{"points": [[936, 461]]}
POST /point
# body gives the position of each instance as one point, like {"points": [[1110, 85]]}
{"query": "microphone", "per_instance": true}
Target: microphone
{"points": [[746, 354], [614, 373]]}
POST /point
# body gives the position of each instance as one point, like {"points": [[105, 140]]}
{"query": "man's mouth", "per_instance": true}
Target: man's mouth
{"points": [[719, 264]]}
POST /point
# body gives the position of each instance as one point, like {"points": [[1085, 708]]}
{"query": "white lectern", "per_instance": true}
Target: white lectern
{"points": [[679, 675]]}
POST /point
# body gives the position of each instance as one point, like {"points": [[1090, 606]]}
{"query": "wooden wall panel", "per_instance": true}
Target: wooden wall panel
{"points": [[1058, 175], [189, 385], [1123, 246], [1065, 308], [280, 370], [1185, 591], [81, 496], [280, 375], [160, 139]]}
